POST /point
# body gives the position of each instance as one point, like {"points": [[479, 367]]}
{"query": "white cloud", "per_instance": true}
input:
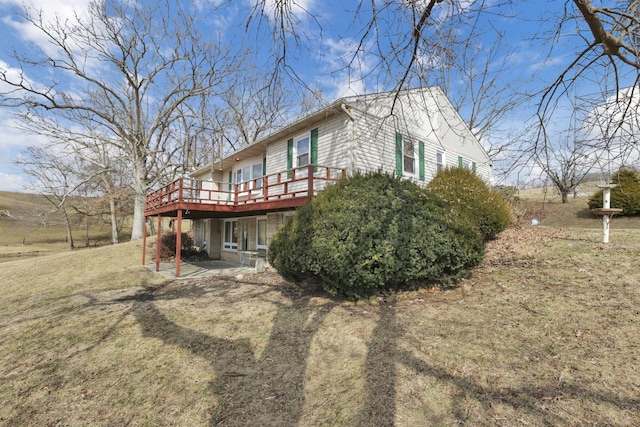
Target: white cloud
{"points": [[13, 182], [345, 68], [299, 9], [51, 10], [612, 128], [13, 140]]}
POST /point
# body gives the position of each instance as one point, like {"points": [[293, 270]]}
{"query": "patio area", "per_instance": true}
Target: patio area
{"points": [[192, 270]]}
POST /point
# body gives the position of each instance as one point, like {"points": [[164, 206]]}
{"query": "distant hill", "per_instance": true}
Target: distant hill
{"points": [[20, 205], [23, 221]]}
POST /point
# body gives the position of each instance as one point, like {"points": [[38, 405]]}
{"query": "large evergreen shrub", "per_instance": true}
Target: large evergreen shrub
{"points": [[626, 195], [473, 199], [374, 232]]}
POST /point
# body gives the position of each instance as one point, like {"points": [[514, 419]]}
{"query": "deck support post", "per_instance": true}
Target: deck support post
{"points": [[178, 242], [158, 242], [144, 242]]}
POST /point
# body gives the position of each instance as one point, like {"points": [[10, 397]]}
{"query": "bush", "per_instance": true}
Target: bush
{"points": [[626, 195], [373, 232], [187, 251], [473, 199]]}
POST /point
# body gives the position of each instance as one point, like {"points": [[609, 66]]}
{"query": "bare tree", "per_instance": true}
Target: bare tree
{"points": [[567, 164], [130, 67], [107, 168], [612, 129], [436, 42], [56, 178], [252, 109]]}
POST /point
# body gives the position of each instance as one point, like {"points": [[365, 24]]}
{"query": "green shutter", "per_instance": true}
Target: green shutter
{"points": [[473, 167], [314, 148], [230, 184], [398, 154], [421, 160], [459, 161], [289, 157]]}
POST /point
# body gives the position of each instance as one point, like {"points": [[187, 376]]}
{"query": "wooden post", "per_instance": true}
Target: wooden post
{"points": [[144, 243], [235, 194], [178, 242], [310, 182], [158, 242], [606, 204]]}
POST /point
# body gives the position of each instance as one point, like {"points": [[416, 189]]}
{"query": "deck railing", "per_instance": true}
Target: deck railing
{"points": [[304, 181]]}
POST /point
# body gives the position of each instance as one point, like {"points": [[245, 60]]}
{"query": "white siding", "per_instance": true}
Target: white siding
{"points": [[333, 141], [333, 137], [374, 144], [425, 116]]}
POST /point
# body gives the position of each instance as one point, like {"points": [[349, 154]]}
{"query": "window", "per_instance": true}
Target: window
{"points": [[257, 173], [439, 161], [204, 234], [408, 158], [230, 235], [261, 238], [239, 179], [245, 177], [302, 151], [463, 163]]}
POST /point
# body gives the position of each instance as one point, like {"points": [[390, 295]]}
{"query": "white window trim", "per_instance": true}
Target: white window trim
{"points": [[205, 229], [415, 158], [242, 186], [301, 173], [229, 246], [296, 140], [261, 218], [442, 165]]}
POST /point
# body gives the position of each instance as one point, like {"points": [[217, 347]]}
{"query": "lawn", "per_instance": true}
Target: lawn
{"points": [[544, 332]]}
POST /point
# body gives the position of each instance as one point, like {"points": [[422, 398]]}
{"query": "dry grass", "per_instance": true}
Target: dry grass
{"points": [[543, 333], [37, 233], [574, 214]]}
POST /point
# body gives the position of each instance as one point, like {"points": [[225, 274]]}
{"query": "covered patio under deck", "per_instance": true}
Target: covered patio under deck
{"points": [[190, 199]]}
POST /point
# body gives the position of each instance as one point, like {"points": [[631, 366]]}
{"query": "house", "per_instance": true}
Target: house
{"points": [[238, 204]]}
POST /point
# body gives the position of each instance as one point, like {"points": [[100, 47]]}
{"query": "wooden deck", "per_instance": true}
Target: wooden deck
{"points": [[209, 199]]}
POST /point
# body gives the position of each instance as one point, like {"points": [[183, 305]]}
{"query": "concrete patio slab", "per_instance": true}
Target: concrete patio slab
{"points": [[191, 270]]}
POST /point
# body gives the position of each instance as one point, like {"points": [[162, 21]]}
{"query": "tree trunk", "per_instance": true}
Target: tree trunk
{"points": [[67, 222], [137, 230], [86, 231], [565, 196], [140, 188], [114, 221]]}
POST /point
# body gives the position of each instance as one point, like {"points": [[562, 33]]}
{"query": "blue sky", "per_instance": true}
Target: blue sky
{"points": [[529, 58]]}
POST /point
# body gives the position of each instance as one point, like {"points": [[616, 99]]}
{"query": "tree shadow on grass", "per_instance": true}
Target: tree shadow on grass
{"points": [[250, 390], [268, 389], [534, 400], [526, 399], [380, 372]]}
